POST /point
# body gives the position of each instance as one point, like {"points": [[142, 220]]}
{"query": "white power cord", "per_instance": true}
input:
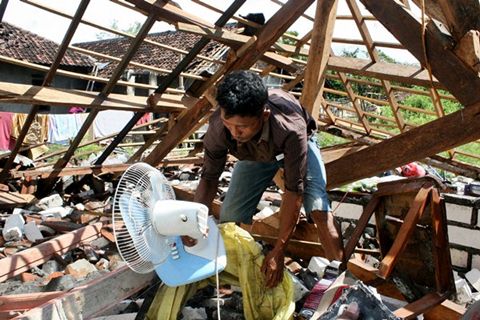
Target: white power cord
{"points": [[217, 278]]}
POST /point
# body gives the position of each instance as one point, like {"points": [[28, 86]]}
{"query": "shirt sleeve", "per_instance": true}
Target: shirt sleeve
{"points": [[215, 151], [295, 161]]}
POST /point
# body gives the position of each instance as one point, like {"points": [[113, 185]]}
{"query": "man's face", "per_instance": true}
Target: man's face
{"points": [[244, 129]]}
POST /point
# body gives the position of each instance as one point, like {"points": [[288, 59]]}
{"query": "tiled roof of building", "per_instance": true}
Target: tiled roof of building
{"points": [[148, 53], [21, 44]]}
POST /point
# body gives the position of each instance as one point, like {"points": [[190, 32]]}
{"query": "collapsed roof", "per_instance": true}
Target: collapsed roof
{"points": [[443, 37]]}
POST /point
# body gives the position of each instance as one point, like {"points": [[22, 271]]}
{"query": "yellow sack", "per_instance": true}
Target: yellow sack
{"points": [[244, 259]]}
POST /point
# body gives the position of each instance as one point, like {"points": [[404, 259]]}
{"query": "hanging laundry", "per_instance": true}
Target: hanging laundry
{"points": [[110, 122], [37, 133], [147, 117], [62, 128], [6, 143]]}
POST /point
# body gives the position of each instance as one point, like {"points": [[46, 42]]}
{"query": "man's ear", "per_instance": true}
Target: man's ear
{"points": [[266, 114]]}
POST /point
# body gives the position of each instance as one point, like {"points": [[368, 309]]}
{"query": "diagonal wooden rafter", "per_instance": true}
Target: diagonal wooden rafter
{"points": [[462, 81], [166, 11], [320, 47], [271, 31], [46, 82]]}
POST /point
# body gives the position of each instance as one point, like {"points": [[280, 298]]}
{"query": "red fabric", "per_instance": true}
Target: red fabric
{"points": [[413, 170], [6, 142], [144, 119]]}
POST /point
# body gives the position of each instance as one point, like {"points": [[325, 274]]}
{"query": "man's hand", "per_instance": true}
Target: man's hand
{"points": [[272, 267]]}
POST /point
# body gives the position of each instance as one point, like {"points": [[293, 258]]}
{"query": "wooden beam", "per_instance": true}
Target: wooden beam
{"points": [[425, 303], [461, 16], [81, 76], [314, 76], [461, 80], [28, 94], [274, 28], [167, 12], [26, 301], [447, 310], [24, 260], [15, 200], [235, 41], [383, 70], [439, 135], [91, 299], [96, 170]]}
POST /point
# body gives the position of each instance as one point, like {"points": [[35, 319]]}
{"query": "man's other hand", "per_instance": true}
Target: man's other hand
{"points": [[272, 268]]}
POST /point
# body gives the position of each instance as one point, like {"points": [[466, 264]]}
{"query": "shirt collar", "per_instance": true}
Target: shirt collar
{"points": [[265, 136]]}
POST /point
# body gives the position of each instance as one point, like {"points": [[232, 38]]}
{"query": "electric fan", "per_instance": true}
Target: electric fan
{"points": [[148, 225]]}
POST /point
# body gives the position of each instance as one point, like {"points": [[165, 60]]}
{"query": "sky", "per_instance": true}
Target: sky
{"points": [[105, 12]]}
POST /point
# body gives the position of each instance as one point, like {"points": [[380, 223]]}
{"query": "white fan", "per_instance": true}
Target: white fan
{"points": [[148, 223]]}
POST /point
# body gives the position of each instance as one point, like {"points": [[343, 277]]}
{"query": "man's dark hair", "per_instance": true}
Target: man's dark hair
{"points": [[242, 93]]}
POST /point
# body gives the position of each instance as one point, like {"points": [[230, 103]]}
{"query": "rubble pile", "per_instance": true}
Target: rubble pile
{"points": [[86, 202]]}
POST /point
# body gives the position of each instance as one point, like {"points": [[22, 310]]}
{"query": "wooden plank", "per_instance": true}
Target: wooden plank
{"points": [[318, 55], [361, 225], [383, 70], [168, 12], [443, 275], [447, 310], [235, 41], [461, 16], [24, 260], [425, 303], [15, 200], [96, 170], [408, 227], [461, 80], [28, 94], [298, 248], [274, 28], [439, 135], [86, 301], [82, 76], [26, 301]]}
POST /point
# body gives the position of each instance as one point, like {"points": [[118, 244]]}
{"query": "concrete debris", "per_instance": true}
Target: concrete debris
{"points": [[32, 232], [80, 269], [52, 201], [56, 212], [13, 228]]}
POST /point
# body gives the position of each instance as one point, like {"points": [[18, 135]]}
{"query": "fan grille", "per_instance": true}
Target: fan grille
{"points": [[138, 189]]}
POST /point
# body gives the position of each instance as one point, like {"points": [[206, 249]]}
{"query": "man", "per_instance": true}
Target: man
{"points": [[266, 131]]}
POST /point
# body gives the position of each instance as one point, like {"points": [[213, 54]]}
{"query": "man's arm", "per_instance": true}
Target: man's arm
{"points": [[274, 261], [206, 191]]}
